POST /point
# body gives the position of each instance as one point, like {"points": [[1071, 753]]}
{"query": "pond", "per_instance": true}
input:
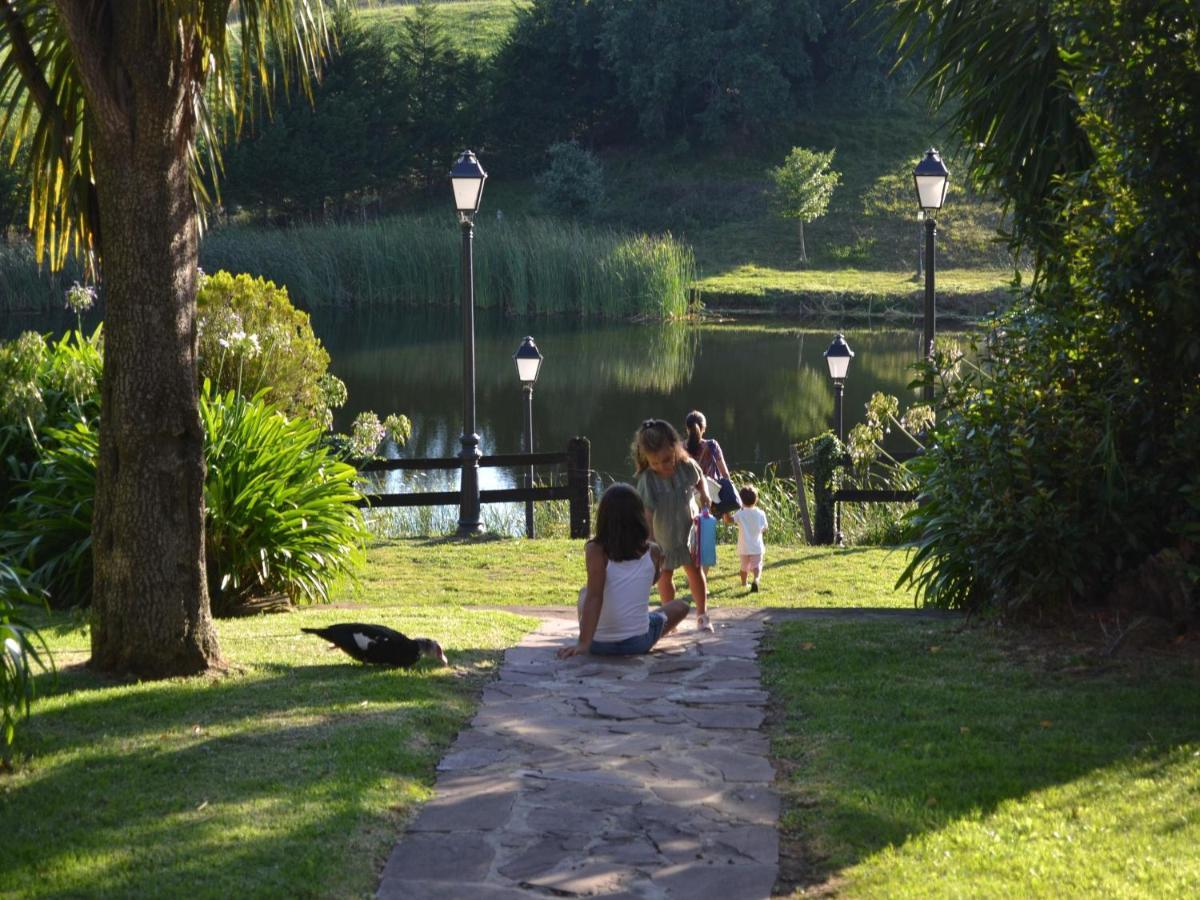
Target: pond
{"points": [[762, 386]]}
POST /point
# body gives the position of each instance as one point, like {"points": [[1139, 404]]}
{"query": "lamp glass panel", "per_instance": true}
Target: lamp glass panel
{"points": [[466, 193], [931, 190], [527, 369], [838, 366]]}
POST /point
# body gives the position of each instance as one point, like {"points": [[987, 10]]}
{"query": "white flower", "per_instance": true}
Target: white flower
{"points": [[81, 297]]}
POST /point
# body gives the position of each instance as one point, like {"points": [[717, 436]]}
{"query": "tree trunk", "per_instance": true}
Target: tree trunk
{"points": [[150, 608], [803, 252]]}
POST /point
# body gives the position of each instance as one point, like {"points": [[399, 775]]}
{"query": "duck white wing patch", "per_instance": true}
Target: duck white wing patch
{"points": [[362, 640]]}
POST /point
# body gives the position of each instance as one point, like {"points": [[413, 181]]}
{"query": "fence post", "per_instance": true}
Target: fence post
{"points": [[579, 466], [826, 468], [801, 495]]}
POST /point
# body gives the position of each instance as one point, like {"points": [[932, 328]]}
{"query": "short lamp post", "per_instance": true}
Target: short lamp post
{"points": [[467, 178], [529, 363], [838, 357], [931, 177]]}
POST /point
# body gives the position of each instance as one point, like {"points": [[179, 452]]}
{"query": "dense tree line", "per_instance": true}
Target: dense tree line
{"points": [[389, 114], [395, 105]]}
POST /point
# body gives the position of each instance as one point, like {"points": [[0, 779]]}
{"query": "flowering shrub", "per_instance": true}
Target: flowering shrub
{"points": [[44, 390], [253, 338]]}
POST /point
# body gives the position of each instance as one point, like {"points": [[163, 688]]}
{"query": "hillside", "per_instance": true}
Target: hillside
{"points": [[714, 198], [711, 195]]}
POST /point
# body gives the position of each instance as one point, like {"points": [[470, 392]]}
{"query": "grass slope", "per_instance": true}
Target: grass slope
{"points": [[505, 572], [290, 777], [477, 26], [925, 760]]}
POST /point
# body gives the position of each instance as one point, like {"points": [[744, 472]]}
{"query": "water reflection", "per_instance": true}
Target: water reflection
{"points": [[762, 388]]}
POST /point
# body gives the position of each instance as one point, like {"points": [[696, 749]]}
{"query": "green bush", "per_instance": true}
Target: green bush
{"points": [[48, 524], [1066, 475], [19, 645], [44, 390], [1026, 501], [573, 184], [253, 338], [280, 508]]}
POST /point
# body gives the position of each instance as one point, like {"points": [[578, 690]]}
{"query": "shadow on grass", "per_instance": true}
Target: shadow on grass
{"points": [[890, 730], [292, 780]]}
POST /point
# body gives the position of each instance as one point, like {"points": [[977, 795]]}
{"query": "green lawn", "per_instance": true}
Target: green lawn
{"points": [[445, 572], [476, 26], [290, 777], [966, 292], [924, 760]]}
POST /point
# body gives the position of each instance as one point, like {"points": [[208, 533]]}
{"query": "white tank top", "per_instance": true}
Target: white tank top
{"points": [[626, 608]]}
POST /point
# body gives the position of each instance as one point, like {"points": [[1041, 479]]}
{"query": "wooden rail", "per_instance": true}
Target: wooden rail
{"points": [[577, 490], [827, 530]]}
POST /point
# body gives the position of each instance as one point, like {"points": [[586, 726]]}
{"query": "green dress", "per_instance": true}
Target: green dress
{"points": [[672, 501]]}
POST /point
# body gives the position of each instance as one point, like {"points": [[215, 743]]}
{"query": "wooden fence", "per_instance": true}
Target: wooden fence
{"points": [[828, 533], [577, 490]]}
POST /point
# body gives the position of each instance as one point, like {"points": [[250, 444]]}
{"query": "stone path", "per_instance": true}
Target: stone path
{"points": [[642, 777]]}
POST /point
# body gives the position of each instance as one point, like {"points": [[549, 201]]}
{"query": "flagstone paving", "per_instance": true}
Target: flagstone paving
{"points": [[636, 777]]}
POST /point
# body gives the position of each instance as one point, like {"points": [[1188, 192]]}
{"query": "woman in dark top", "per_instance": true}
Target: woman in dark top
{"points": [[707, 453]]}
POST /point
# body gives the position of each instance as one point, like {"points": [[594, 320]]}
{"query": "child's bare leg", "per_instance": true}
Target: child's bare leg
{"points": [[675, 611], [666, 586], [698, 585]]}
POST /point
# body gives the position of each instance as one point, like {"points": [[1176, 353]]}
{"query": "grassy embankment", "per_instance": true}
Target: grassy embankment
{"points": [[920, 758]]}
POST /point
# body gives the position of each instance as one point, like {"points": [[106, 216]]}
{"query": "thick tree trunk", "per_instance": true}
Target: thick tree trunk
{"points": [[150, 612]]}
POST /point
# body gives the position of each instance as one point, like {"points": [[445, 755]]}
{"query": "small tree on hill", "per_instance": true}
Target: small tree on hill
{"points": [[574, 182], [802, 187]]}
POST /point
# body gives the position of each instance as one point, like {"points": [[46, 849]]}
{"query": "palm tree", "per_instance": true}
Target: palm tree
{"points": [[120, 103], [997, 68]]}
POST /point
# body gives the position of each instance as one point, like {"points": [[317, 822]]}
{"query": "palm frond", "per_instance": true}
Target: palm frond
{"points": [[46, 103]]}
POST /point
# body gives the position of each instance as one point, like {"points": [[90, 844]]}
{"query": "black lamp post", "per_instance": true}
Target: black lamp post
{"points": [[529, 363], [931, 177], [838, 357], [467, 177]]}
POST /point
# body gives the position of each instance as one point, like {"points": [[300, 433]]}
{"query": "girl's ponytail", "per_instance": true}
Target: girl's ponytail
{"points": [[695, 427]]}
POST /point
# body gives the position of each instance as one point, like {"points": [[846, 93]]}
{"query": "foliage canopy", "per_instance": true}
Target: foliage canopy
{"points": [[1065, 473]]}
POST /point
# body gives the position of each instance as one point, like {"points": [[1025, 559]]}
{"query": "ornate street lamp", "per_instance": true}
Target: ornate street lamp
{"points": [[931, 178], [529, 363], [467, 177], [838, 357]]}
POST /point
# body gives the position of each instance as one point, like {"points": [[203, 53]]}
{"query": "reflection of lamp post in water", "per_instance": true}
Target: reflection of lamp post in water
{"points": [[529, 363], [931, 177], [467, 177]]}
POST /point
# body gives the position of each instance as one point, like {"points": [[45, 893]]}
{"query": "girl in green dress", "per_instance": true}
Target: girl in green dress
{"points": [[669, 481]]}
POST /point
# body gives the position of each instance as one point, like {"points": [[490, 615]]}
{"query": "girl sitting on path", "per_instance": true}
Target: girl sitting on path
{"points": [[668, 481], [622, 566]]}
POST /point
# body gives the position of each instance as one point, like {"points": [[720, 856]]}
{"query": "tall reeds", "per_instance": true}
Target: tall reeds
{"points": [[522, 266], [26, 287]]}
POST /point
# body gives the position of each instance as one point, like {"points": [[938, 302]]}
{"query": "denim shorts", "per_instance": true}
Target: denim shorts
{"points": [[631, 646]]}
